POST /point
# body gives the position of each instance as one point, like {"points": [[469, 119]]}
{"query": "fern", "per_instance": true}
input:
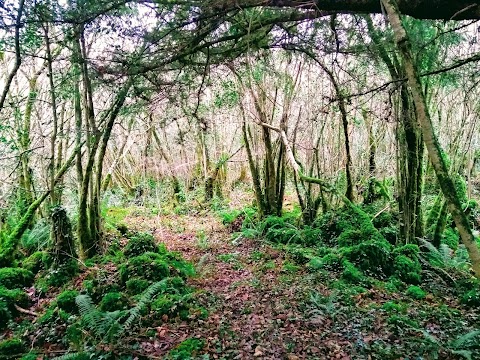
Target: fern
{"points": [[445, 257], [73, 356], [465, 341], [109, 326], [147, 297]]}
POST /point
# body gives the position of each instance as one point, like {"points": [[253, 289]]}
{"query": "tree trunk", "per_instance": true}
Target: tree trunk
{"points": [[431, 142]]}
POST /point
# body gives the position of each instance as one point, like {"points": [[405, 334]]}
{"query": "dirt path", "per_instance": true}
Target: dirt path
{"points": [[253, 302]]}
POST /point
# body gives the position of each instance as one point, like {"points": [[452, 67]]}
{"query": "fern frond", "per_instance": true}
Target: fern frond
{"points": [[465, 341], [144, 300], [73, 356]]}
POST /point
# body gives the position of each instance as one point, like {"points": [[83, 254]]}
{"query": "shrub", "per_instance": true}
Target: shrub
{"points": [[39, 260], [140, 244], [66, 301], [136, 286], [149, 266], [12, 348], [13, 278], [416, 292], [407, 270], [114, 301]]}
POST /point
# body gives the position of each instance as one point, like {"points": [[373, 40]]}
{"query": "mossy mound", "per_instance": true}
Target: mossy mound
{"points": [[12, 348], [149, 266], [61, 274], [373, 257], [113, 301], [12, 278], [66, 301], [39, 260], [139, 244]]}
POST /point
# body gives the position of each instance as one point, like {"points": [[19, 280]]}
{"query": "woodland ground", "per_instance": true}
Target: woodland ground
{"points": [[254, 299], [262, 305]]}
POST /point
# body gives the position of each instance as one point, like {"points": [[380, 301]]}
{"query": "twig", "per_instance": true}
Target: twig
{"points": [[381, 211], [471, 6], [25, 311]]}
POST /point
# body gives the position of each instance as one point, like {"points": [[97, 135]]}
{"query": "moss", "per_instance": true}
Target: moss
{"points": [[372, 257], [288, 267], [407, 270], [13, 278], [30, 356], [12, 348], [164, 304], [140, 244], [351, 274], [416, 292], [66, 301], [471, 298], [136, 286], [62, 274], [332, 262], [187, 349], [5, 314], [284, 235], [39, 260], [12, 297], [393, 307], [451, 238], [149, 266], [97, 289], [114, 301], [402, 322]]}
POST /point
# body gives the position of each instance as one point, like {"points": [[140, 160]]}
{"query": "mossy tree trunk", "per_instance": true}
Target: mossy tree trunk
{"points": [[63, 240], [431, 142], [409, 146]]}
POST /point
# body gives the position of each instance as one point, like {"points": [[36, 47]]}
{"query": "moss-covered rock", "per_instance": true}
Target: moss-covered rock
{"points": [[406, 265], [140, 244], [13, 278], [66, 301], [114, 301], [332, 262]]}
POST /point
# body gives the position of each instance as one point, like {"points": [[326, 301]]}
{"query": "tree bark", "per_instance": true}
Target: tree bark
{"points": [[431, 142]]}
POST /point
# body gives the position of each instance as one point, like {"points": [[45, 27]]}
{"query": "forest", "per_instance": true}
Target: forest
{"points": [[240, 179]]}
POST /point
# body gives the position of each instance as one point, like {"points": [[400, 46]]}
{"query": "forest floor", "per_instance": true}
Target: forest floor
{"points": [[262, 305]]}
